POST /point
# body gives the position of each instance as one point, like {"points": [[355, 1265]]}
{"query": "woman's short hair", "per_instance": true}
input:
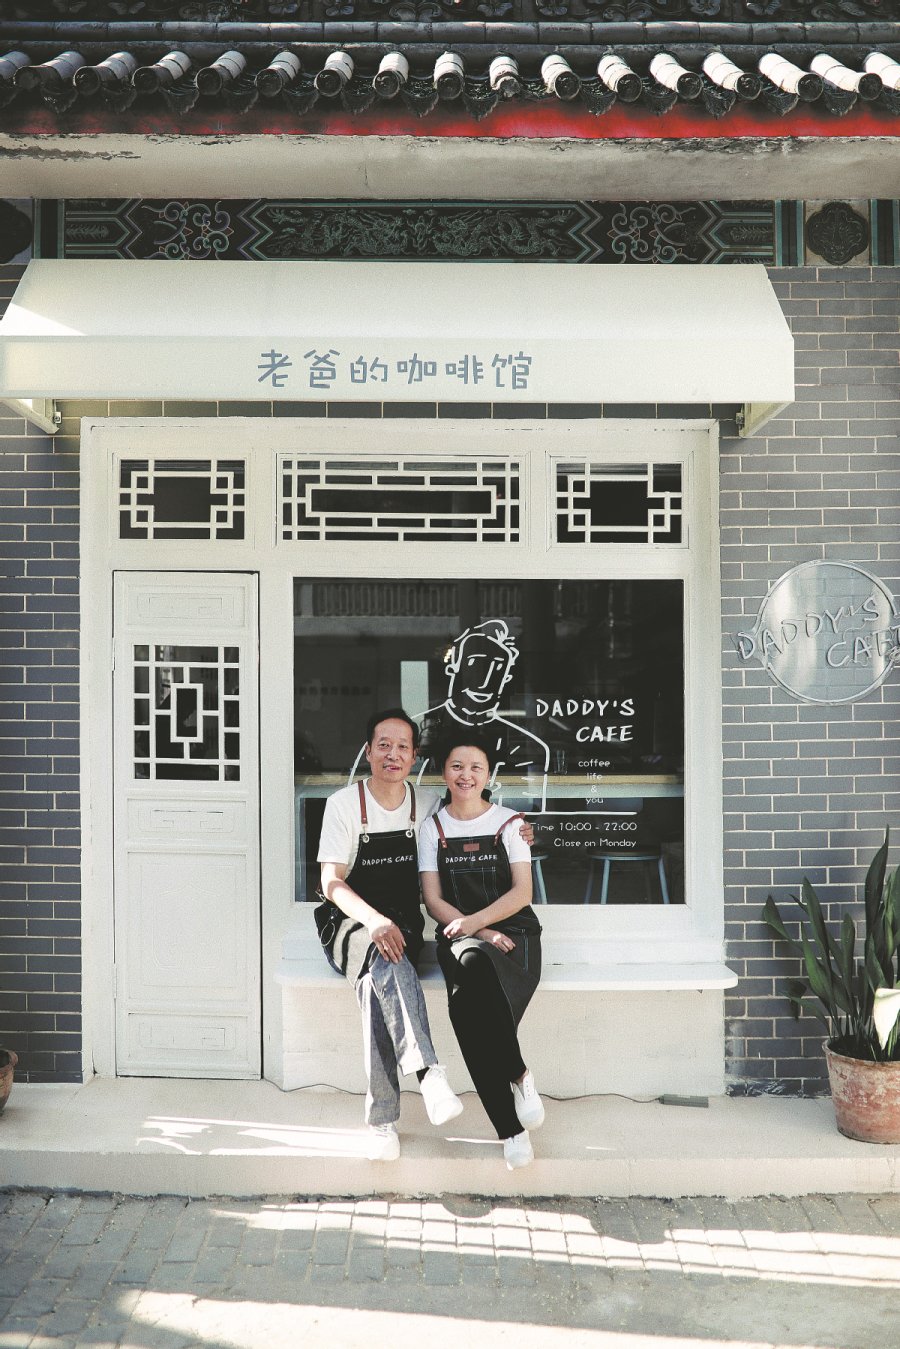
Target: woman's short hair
{"points": [[473, 739]]}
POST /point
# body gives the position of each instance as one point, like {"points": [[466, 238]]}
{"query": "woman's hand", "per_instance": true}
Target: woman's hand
{"points": [[495, 938], [388, 939], [526, 833], [461, 927]]}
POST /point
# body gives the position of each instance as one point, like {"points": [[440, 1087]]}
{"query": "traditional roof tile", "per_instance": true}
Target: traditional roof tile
{"points": [[607, 12], [420, 65]]}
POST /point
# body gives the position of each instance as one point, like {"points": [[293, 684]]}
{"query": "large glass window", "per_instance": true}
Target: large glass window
{"points": [[579, 684]]}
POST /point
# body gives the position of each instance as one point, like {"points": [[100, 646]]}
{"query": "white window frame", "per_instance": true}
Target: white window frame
{"points": [[687, 933]]}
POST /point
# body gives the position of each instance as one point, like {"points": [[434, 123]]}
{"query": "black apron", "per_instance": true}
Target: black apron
{"points": [[385, 873], [474, 872]]}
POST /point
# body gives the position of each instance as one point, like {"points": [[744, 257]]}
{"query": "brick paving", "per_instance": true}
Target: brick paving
{"points": [[170, 1273]]}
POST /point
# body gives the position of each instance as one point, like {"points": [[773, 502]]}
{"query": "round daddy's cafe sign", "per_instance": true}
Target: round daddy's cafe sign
{"points": [[827, 632]]}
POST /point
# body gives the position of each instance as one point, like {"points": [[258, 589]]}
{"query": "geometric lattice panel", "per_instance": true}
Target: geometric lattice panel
{"points": [[187, 713], [181, 499], [401, 499], [618, 503]]}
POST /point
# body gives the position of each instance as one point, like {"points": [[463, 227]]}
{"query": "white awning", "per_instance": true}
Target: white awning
{"points": [[399, 332]]}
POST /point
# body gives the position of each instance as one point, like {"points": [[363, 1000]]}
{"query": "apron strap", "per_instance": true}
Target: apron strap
{"points": [[364, 819], [443, 836], [520, 816]]}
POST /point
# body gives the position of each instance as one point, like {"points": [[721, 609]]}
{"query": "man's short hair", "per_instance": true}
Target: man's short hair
{"points": [[391, 714]]}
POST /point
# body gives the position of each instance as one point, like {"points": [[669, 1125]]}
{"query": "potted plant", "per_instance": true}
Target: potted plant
{"points": [[8, 1061], [855, 994]]}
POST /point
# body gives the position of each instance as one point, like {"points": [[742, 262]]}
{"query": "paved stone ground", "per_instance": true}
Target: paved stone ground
{"points": [[171, 1273]]}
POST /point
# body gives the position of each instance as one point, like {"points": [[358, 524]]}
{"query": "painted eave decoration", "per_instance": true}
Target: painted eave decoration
{"points": [[563, 63]]}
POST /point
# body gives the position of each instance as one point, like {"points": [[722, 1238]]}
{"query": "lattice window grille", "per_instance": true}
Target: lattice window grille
{"points": [[182, 499], [187, 713], [401, 500], [618, 503]]}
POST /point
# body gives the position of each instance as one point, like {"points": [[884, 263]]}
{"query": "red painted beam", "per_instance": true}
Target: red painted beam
{"points": [[550, 120]]}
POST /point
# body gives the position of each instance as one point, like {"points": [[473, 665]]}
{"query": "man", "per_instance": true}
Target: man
{"points": [[369, 870]]}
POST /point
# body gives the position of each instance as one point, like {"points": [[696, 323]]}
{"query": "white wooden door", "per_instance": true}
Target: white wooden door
{"points": [[186, 824]]}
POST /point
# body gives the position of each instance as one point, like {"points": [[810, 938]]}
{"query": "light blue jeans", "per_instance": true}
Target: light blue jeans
{"points": [[396, 1034]]}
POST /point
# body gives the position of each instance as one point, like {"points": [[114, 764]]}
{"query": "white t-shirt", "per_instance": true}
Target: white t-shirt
{"points": [[341, 825], [488, 823]]}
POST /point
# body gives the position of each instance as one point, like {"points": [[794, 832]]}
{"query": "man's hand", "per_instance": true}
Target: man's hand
{"points": [[388, 939], [495, 938], [526, 833]]}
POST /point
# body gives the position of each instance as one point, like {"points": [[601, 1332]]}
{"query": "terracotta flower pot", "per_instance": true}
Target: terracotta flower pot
{"points": [[8, 1061], [866, 1098]]}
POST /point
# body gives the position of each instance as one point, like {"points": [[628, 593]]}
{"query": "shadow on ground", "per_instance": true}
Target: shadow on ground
{"points": [[225, 1274]]}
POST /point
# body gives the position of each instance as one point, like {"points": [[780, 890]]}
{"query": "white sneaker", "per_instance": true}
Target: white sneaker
{"points": [[383, 1143], [441, 1102], [529, 1106], [518, 1150]]}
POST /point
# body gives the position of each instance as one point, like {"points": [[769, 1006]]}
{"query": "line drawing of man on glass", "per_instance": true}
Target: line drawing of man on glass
{"points": [[478, 667]]}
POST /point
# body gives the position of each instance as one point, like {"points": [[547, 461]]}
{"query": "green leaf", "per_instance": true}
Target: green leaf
{"points": [[874, 972], [892, 914], [827, 950], [772, 917], [875, 884], [848, 946], [863, 992], [876, 958], [796, 991], [842, 997], [818, 980], [802, 1005], [817, 921], [810, 1008]]}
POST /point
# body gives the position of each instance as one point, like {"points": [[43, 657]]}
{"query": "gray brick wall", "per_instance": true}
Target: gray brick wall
{"points": [[40, 931], [808, 790]]}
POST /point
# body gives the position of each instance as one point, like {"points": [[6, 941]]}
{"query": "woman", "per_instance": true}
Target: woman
{"points": [[476, 882]]}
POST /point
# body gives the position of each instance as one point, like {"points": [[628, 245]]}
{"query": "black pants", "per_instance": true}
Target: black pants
{"points": [[486, 1034]]}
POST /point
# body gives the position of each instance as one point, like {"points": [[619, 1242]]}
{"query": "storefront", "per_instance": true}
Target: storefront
{"points": [[541, 499], [550, 582]]}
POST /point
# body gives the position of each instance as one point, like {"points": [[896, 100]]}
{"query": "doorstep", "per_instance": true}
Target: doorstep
{"points": [[188, 1137]]}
